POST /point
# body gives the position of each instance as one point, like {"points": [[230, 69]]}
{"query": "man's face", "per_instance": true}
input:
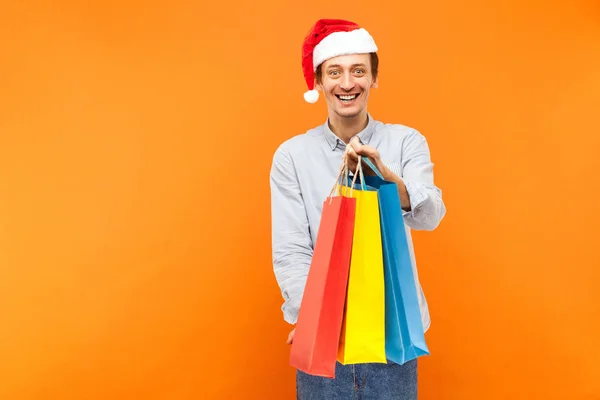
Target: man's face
{"points": [[345, 82]]}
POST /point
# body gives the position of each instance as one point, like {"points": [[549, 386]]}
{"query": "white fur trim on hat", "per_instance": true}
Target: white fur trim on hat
{"points": [[343, 43], [311, 96]]}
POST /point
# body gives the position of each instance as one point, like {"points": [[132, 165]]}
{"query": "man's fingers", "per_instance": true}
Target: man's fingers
{"points": [[355, 145], [290, 338], [352, 154], [363, 150]]}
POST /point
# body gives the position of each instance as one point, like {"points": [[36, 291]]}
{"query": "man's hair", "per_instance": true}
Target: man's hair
{"points": [[374, 68]]}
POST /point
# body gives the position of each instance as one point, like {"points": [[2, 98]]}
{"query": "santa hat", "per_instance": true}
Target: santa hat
{"points": [[327, 39]]}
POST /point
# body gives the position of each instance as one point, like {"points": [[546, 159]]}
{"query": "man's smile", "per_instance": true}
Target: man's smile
{"points": [[347, 98]]}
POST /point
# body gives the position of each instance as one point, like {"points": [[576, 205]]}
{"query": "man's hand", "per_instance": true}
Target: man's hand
{"points": [[290, 338], [354, 149]]}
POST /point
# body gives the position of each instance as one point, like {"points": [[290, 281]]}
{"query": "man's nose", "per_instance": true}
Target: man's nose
{"points": [[347, 82]]}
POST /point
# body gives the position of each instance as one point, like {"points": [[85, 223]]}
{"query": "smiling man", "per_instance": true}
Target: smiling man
{"points": [[339, 60]]}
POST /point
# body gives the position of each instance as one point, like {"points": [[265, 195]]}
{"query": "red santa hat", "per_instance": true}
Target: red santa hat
{"points": [[327, 39]]}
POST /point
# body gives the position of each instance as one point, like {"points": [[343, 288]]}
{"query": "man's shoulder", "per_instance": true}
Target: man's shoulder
{"points": [[299, 142], [396, 130]]}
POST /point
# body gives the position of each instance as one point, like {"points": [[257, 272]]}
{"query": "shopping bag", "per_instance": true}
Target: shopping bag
{"points": [[315, 344], [363, 329], [404, 332]]}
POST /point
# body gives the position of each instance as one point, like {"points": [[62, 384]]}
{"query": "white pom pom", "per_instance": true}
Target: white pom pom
{"points": [[311, 96]]}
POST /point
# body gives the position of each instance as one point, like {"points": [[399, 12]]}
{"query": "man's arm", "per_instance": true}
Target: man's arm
{"points": [[421, 201], [426, 205], [291, 240]]}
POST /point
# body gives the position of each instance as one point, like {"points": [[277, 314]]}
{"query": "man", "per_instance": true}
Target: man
{"points": [[339, 59]]}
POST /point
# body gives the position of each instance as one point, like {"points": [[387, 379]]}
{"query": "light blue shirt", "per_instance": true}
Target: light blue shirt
{"points": [[302, 175]]}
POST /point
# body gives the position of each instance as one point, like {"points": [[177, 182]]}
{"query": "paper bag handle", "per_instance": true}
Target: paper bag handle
{"points": [[372, 166], [342, 177]]}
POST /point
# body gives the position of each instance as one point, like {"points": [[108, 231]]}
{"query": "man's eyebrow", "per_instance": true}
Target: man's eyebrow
{"points": [[353, 65]]}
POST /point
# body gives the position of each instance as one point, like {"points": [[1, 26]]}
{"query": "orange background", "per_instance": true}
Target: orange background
{"points": [[135, 145]]}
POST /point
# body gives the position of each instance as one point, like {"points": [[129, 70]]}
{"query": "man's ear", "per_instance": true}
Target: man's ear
{"points": [[375, 83], [318, 86]]}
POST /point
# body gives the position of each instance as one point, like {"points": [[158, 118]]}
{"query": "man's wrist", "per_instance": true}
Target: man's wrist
{"points": [[387, 173]]}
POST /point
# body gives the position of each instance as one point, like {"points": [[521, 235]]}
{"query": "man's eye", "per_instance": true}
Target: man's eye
{"points": [[360, 71]]}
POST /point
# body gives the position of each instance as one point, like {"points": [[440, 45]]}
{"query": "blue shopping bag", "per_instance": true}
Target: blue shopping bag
{"points": [[404, 332]]}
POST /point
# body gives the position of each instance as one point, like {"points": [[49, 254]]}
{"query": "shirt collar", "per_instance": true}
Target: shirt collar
{"points": [[364, 136]]}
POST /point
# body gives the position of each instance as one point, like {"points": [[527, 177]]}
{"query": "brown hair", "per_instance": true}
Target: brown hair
{"points": [[374, 68]]}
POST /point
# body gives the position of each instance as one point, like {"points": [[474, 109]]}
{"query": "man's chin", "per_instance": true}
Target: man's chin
{"points": [[348, 113]]}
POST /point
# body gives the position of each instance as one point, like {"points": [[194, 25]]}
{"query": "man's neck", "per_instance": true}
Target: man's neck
{"points": [[347, 128]]}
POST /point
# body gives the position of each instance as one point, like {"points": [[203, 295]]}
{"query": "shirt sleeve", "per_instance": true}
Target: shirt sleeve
{"points": [[427, 206], [291, 241]]}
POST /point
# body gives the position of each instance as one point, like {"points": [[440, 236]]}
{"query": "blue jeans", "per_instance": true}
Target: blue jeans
{"points": [[361, 382]]}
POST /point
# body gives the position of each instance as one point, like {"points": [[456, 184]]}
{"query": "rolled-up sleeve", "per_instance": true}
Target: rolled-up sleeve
{"points": [[427, 206], [291, 240]]}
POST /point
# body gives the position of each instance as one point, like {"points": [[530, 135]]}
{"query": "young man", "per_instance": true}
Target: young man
{"points": [[339, 60]]}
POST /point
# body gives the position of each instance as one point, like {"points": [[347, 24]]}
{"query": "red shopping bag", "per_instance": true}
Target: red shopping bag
{"points": [[316, 340]]}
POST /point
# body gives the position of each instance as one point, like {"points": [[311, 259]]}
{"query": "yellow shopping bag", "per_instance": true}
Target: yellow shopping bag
{"points": [[363, 329]]}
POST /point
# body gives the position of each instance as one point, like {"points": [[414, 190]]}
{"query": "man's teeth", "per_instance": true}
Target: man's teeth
{"points": [[350, 97]]}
